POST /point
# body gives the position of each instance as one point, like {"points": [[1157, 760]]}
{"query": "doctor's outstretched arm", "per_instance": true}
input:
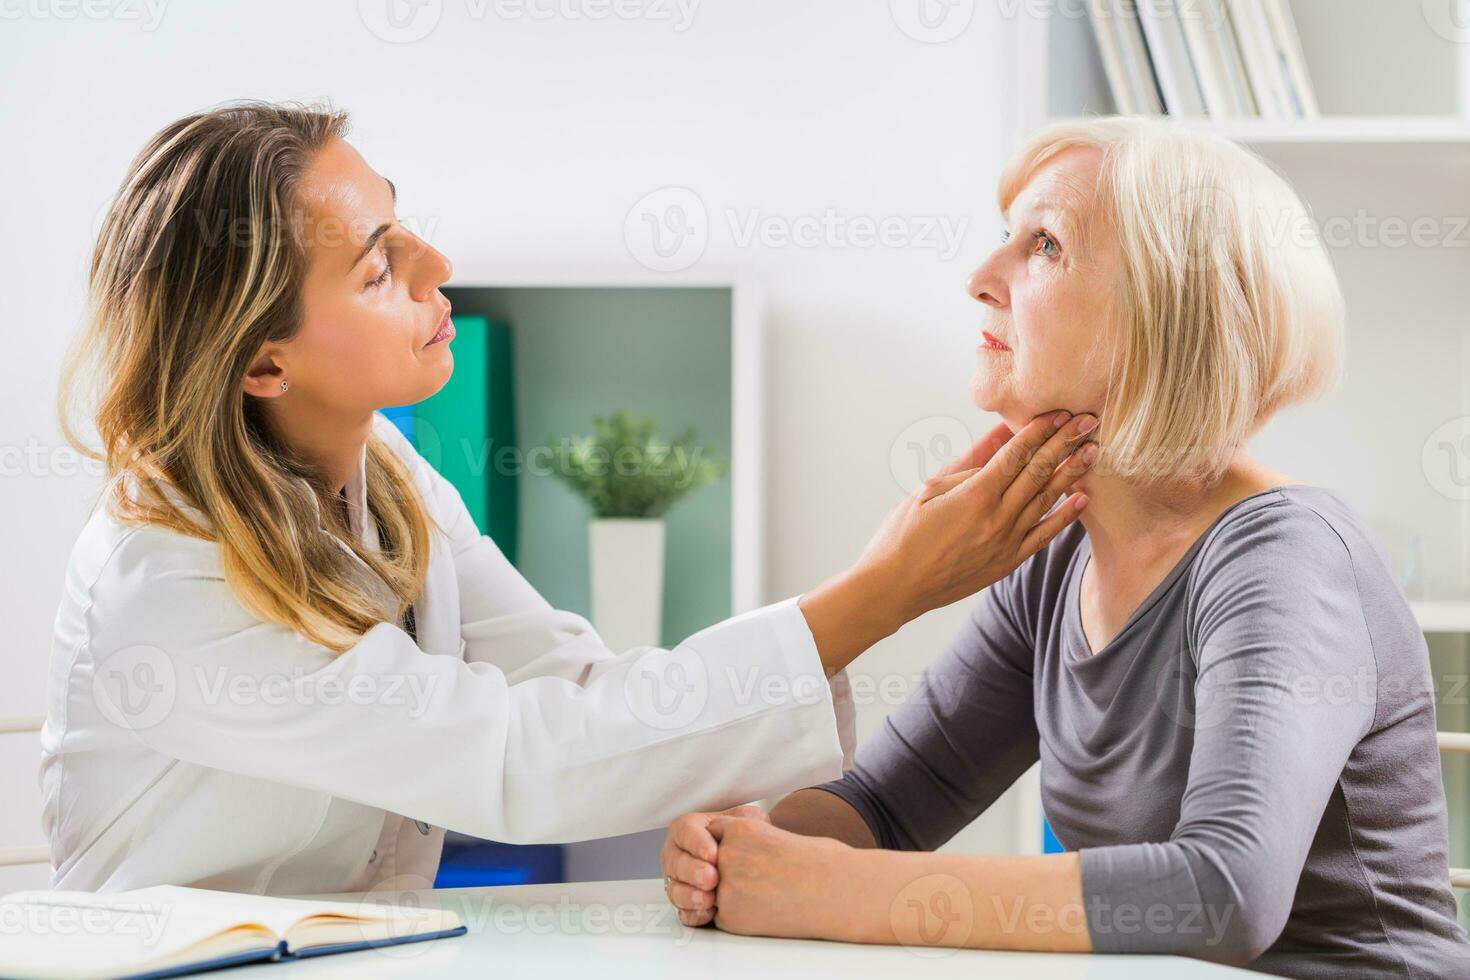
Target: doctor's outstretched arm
{"points": [[541, 733]]}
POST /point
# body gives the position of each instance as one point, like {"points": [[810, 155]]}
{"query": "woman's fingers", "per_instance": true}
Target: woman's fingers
{"points": [[688, 899], [749, 811], [696, 919], [692, 871], [942, 483], [1072, 469], [1041, 534], [1031, 472], [690, 833], [981, 452]]}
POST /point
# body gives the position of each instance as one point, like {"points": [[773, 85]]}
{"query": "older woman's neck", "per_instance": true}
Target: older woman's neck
{"points": [[1130, 524]]}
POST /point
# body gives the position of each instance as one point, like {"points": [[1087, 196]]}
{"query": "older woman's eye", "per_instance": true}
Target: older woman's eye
{"points": [[1048, 244], [1005, 235]]}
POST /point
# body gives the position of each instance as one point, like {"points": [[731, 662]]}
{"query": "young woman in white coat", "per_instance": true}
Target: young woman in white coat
{"points": [[286, 660]]}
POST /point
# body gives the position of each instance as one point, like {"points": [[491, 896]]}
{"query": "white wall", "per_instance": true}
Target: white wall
{"points": [[522, 143]]}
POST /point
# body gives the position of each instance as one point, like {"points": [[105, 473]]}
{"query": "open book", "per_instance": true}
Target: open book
{"points": [[167, 930]]}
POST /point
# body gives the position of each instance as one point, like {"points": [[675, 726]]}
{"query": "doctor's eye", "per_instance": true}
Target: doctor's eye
{"points": [[383, 277]]}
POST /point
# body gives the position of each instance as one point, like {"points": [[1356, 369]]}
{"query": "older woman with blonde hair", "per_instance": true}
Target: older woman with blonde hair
{"points": [[1228, 695]]}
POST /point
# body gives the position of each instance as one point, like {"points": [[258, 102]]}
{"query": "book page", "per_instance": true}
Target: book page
{"points": [[77, 934]]}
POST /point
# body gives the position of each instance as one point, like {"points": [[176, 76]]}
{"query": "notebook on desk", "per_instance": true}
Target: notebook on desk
{"points": [[166, 931]]}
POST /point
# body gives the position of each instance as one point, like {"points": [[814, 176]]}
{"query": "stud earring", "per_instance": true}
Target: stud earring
{"points": [[284, 385]]}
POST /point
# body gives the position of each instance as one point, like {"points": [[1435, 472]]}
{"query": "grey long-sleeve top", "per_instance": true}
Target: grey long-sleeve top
{"points": [[1248, 768]]}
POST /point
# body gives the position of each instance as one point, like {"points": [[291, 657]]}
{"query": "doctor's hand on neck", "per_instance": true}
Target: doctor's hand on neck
{"points": [[966, 527]]}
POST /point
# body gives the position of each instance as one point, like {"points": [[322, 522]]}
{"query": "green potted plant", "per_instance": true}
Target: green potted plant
{"points": [[630, 476]]}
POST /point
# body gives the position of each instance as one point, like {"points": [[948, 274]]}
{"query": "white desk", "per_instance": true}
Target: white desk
{"points": [[613, 929]]}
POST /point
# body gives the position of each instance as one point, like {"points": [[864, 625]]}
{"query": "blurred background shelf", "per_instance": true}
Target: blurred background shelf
{"points": [[1443, 616], [1409, 131]]}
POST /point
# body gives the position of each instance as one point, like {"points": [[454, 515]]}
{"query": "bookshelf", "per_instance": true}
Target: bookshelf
{"points": [[1392, 145]]}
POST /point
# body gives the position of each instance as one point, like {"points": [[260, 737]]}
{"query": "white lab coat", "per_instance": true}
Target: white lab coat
{"points": [[189, 742]]}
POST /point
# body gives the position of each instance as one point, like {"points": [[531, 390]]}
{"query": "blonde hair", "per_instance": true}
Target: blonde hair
{"points": [[199, 262], [1228, 305]]}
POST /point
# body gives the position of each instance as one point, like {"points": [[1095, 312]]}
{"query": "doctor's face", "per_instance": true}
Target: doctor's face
{"points": [[372, 312], [1048, 291]]}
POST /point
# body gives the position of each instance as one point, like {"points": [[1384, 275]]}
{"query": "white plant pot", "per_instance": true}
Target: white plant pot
{"points": [[627, 556]]}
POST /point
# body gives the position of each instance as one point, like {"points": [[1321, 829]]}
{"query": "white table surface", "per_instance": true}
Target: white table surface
{"points": [[612, 929]]}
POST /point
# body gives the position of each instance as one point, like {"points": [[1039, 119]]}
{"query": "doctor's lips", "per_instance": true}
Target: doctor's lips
{"points": [[992, 342], [445, 331]]}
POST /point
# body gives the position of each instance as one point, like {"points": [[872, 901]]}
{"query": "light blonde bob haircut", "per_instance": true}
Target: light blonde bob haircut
{"points": [[1227, 304]]}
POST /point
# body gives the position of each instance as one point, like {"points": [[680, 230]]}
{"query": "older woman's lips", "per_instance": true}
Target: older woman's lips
{"points": [[992, 342]]}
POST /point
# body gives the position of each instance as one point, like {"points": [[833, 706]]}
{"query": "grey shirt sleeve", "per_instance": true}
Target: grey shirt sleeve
{"points": [[1284, 689], [965, 735]]}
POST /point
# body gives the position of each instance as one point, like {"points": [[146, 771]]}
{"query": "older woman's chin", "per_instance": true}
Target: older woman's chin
{"points": [[987, 394]]}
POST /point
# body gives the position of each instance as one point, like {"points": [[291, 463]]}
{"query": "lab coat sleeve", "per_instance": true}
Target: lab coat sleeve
{"points": [[507, 623], [737, 712]]}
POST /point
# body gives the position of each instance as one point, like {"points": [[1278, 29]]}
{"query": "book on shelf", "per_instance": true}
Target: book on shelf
{"points": [[1172, 64], [1216, 58], [1289, 51], [167, 930], [1262, 62], [1136, 62]]}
